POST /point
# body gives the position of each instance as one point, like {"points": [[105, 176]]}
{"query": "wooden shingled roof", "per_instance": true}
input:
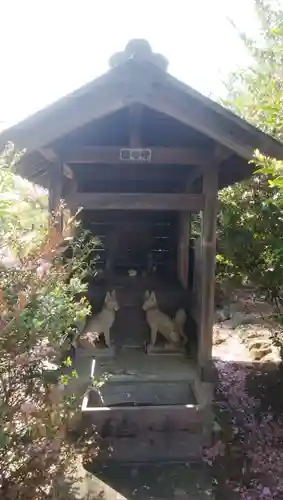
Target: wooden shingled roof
{"points": [[137, 75]]}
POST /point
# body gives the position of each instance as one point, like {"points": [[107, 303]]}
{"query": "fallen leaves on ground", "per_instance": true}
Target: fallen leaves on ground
{"points": [[248, 458]]}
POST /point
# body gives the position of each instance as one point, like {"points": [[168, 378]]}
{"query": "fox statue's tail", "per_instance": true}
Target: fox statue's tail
{"points": [[180, 320]]}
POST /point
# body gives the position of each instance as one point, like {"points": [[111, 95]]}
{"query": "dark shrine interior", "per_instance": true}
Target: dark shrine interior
{"points": [[144, 241]]}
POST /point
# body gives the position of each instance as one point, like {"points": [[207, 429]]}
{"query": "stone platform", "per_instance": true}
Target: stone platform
{"points": [[150, 408]]}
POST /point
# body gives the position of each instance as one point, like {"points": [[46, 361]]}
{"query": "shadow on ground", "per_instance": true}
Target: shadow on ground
{"points": [[249, 409], [153, 481]]}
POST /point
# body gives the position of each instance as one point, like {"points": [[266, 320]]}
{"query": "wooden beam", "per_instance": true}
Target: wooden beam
{"points": [[55, 194], [138, 201], [50, 155], [183, 248], [220, 125], [193, 176], [221, 153], [70, 193], [207, 275], [131, 173], [111, 155], [135, 116]]}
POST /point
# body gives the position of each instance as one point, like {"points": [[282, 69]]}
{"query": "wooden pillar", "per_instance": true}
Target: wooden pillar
{"points": [[70, 191], [55, 193], [183, 248], [70, 196], [207, 276]]}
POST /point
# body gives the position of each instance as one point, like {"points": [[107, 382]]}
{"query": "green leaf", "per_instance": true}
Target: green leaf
{"points": [[64, 379], [67, 362]]}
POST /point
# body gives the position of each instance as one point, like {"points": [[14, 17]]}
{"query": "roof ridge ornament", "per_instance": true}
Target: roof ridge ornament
{"points": [[139, 50]]}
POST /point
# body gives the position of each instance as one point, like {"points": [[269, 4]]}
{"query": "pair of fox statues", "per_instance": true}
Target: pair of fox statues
{"points": [[172, 330]]}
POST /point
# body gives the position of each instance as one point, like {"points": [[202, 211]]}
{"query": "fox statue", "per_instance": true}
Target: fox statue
{"points": [[172, 330], [101, 322]]}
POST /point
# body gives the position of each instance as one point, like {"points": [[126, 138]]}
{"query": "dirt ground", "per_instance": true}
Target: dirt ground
{"points": [[152, 481], [247, 456]]}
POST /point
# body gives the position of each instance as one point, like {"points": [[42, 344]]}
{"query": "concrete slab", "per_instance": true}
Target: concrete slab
{"points": [[96, 352], [134, 363], [165, 350], [142, 393]]}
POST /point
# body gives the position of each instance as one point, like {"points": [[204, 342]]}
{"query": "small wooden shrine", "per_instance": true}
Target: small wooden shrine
{"points": [[142, 152]]}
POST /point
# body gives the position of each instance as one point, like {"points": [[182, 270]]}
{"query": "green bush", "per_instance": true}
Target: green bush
{"points": [[251, 219], [38, 308]]}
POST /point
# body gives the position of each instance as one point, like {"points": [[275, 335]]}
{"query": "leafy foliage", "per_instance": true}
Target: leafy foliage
{"points": [[255, 92], [272, 168], [251, 217], [38, 309], [250, 235], [23, 208]]}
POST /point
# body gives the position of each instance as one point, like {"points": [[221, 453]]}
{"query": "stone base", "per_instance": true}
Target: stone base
{"points": [[165, 349], [148, 409], [145, 425]]}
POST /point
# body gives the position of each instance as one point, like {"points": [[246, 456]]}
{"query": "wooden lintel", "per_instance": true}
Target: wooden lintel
{"points": [[111, 155], [138, 201]]}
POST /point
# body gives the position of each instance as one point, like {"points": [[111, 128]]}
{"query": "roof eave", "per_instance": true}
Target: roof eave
{"points": [[140, 81]]}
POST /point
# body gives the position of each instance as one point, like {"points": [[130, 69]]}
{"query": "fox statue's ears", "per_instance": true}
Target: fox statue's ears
{"points": [[113, 293], [151, 295]]}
